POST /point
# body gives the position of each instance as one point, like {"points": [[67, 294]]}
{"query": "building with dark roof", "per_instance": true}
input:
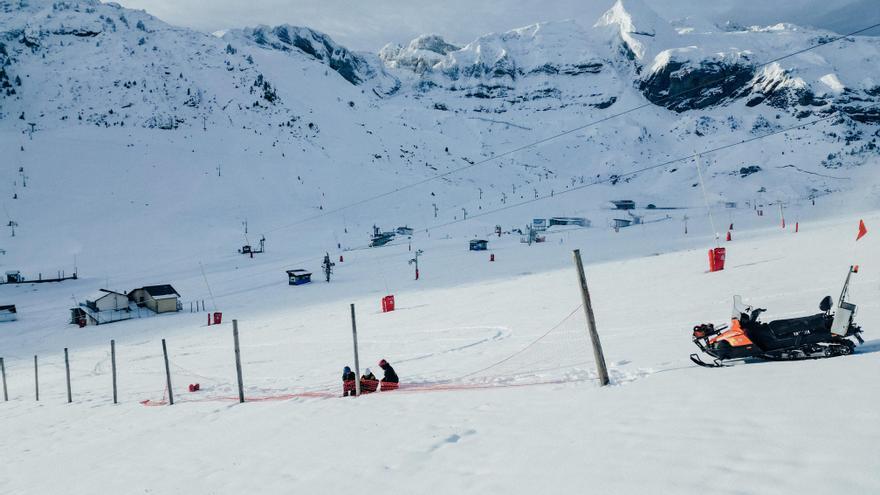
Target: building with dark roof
{"points": [[159, 298]]}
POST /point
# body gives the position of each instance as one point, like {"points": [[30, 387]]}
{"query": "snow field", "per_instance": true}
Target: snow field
{"points": [[665, 423]]}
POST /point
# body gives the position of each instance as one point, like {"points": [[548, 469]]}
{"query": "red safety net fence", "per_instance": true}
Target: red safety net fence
{"points": [[483, 357]]}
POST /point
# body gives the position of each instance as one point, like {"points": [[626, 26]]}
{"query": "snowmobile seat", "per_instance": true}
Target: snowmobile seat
{"points": [[784, 328]]}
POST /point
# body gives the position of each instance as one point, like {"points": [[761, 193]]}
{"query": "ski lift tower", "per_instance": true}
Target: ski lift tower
{"points": [[327, 265], [415, 261]]}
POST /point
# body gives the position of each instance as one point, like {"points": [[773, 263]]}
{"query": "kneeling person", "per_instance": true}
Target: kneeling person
{"points": [[369, 382], [390, 381]]}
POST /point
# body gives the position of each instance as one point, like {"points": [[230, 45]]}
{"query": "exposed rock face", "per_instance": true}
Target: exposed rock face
{"points": [[420, 55], [680, 86], [355, 69]]}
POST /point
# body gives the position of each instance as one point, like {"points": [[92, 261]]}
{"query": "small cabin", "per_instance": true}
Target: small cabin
{"points": [[8, 313], [14, 277], [624, 204], [381, 239], [479, 245], [578, 221], [620, 223], [298, 277], [539, 224], [158, 298]]}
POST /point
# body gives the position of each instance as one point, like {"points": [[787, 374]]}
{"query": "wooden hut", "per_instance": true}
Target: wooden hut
{"points": [[298, 277]]}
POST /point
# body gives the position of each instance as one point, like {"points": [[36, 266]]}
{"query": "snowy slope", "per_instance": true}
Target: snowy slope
{"points": [[752, 425]]}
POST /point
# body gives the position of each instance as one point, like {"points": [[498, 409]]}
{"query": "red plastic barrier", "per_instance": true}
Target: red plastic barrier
{"points": [[218, 317], [389, 386], [388, 303], [716, 259], [194, 387]]}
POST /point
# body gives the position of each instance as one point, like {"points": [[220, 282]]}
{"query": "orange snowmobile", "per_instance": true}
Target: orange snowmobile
{"points": [[821, 335]]}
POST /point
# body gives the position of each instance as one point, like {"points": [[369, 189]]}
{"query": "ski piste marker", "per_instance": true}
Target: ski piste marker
{"points": [[862, 230]]}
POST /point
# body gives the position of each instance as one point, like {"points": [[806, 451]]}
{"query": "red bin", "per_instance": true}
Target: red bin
{"points": [[716, 259], [218, 317], [387, 304]]}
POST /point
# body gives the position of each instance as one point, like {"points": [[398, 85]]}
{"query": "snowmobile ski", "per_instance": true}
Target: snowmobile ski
{"points": [[715, 364]]}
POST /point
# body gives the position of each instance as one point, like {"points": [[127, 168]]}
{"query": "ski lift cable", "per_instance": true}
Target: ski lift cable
{"points": [[567, 132], [635, 172], [210, 292], [706, 200]]}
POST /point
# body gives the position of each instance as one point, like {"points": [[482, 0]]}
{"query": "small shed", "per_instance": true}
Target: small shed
{"points": [[619, 223], [381, 239], [624, 204], [8, 313], [479, 245], [539, 224], [14, 277], [578, 221], [159, 298], [298, 277]]}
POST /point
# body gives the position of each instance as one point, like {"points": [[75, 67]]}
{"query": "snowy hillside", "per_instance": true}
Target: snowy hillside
{"points": [[499, 392]]}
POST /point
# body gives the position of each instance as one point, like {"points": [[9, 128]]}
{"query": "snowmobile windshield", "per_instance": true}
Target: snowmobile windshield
{"points": [[739, 308]]}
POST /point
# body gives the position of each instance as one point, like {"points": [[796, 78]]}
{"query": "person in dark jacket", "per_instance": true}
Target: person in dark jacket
{"points": [[390, 381], [369, 382], [348, 378]]}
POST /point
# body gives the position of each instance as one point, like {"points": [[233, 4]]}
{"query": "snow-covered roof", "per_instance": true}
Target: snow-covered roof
{"points": [[102, 293], [163, 291]]}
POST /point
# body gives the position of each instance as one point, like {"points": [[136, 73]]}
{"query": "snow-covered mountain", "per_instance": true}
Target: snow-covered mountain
{"points": [[326, 126]]}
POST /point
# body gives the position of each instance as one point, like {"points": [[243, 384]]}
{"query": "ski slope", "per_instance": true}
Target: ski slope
{"points": [[664, 424]]}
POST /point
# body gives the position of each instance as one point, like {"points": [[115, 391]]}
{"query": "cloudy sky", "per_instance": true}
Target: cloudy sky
{"points": [[370, 24]]}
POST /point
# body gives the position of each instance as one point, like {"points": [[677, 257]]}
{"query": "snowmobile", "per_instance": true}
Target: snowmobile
{"points": [[825, 334]]}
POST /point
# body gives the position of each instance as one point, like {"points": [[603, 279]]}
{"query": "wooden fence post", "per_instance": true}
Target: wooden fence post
{"points": [[113, 366], [67, 374], [357, 364], [591, 321], [36, 380], [167, 374], [238, 362], [3, 372]]}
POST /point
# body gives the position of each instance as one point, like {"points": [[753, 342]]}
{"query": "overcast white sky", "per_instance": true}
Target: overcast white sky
{"points": [[369, 24]]}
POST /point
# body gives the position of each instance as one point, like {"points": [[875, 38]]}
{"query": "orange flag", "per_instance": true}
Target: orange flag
{"points": [[862, 230]]}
